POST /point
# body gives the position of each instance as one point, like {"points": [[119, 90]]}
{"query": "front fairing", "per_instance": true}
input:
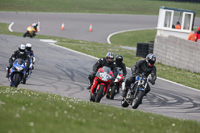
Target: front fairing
{"points": [[104, 74], [18, 66], [30, 29]]}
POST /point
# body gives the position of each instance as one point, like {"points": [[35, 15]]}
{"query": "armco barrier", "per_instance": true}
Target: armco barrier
{"points": [[178, 53]]}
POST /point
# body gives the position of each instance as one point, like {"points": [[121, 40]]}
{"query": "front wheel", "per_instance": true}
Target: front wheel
{"points": [[138, 99], [124, 103], [16, 79], [114, 91], [99, 94], [26, 34]]}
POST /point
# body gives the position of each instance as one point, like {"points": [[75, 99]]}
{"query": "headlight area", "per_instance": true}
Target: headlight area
{"points": [[19, 68]]}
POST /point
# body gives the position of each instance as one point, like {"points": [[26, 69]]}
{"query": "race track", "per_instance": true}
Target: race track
{"points": [[64, 72]]}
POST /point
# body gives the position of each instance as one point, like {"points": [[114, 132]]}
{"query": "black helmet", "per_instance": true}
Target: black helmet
{"points": [[150, 59], [110, 57], [22, 48], [119, 59]]}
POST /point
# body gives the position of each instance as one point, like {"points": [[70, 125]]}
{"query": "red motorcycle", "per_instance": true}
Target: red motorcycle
{"points": [[119, 83], [101, 83]]}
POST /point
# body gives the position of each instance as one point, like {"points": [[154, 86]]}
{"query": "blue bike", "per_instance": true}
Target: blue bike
{"points": [[17, 73]]}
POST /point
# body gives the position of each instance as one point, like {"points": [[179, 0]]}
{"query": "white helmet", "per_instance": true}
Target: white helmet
{"points": [[22, 48], [28, 46]]}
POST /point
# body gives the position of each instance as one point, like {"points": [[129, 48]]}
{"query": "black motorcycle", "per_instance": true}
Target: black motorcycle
{"points": [[136, 93]]}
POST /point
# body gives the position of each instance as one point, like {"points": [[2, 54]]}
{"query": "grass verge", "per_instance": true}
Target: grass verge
{"points": [[22, 111], [147, 7], [99, 50]]}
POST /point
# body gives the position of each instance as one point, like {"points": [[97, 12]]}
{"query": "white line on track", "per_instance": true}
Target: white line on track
{"points": [[10, 27], [126, 67], [108, 38]]}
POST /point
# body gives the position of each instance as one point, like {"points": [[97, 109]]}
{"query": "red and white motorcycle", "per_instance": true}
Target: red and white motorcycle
{"points": [[119, 83], [101, 83]]}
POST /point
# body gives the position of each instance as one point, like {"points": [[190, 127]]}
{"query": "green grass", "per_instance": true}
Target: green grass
{"points": [[98, 50], [148, 7], [131, 38], [24, 111]]}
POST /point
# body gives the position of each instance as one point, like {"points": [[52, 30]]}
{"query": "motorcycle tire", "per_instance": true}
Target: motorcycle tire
{"points": [[99, 94], [136, 102], [16, 79], [24, 80], [116, 87], [25, 34], [124, 103]]}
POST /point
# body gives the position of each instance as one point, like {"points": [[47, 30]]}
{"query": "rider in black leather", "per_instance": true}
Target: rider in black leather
{"points": [[20, 53], [105, 61], [143, 66], [120, 64]]}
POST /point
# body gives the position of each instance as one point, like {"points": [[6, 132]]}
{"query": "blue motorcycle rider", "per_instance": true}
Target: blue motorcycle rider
{"points": [[20, 53], [145, 66]]}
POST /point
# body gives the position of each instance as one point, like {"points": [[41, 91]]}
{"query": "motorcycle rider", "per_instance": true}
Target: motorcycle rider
{"points": [[120, 64], [30, 53], [105, 61], [35, 26], [145, 66], [20, 53]]}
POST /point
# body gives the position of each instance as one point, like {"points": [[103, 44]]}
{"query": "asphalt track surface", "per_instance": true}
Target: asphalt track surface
{"points": [[64, 72]]}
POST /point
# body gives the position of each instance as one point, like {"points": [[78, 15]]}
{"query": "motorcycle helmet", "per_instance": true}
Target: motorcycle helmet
{"points": [[150, 59], [119, 59], [22, 48], [110, 57], [35, 25], [28, 47]]}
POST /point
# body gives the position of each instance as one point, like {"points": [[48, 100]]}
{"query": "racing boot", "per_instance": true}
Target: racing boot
{"points": [[89, 86], [124, 92], [92, 97]]}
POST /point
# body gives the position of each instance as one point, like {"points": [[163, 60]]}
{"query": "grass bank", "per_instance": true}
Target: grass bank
{"points": [[22, 111], [143, 7], [98, 50]]}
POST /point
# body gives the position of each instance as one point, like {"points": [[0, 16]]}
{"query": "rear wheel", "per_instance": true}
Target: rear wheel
{"points": [[136, 102], [16, 79], [99, 94], [108, 93], [24, 80]]}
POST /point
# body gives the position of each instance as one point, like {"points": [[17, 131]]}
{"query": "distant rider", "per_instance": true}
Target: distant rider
{"points": [[30, 53], [20, 53], [145, 66], [35, 26]]}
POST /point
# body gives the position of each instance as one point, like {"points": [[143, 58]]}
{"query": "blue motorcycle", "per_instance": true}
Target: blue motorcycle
{"points": [[17, 73], [136, 93]]}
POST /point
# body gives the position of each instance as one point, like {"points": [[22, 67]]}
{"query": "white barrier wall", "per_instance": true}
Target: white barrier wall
{"points": [[177, 52]]}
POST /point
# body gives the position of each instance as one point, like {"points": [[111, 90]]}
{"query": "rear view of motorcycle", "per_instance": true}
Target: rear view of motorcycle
{"points": [[103, 76], [17, 73], [136, 93], [119, 83]]}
